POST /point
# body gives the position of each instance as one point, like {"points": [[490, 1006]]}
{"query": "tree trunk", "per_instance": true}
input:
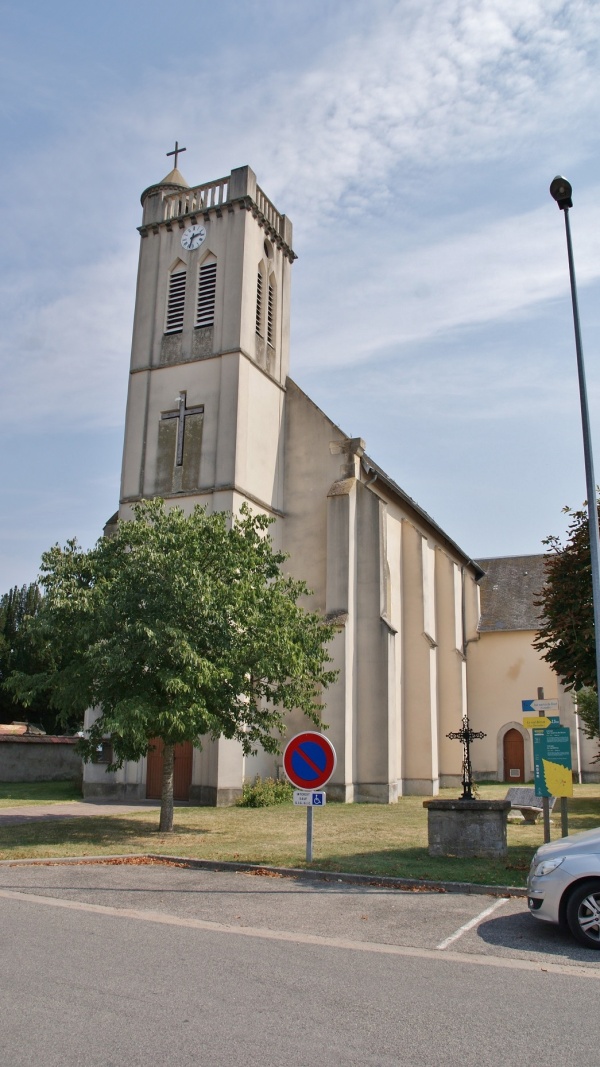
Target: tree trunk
{"points": [[166, 800]]}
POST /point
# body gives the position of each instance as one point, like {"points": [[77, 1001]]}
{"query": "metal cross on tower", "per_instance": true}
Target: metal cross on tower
{"points": [[181, 415], [466, 735], [176, 152]]}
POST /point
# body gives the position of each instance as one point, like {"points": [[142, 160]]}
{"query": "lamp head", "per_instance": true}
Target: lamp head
{"points": [[561, 191]]}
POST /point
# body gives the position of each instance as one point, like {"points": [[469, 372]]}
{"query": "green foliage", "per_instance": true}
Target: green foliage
{"points": [[566, 636], [178, 627], [265, 792], [587, 709], [21, 652]]}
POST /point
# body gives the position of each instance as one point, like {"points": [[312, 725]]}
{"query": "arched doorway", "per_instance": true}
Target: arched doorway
{"points": [[514, 756], [182, 776]]}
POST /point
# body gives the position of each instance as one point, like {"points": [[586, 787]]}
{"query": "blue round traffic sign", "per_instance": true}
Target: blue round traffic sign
{"points": [[309, 760]]}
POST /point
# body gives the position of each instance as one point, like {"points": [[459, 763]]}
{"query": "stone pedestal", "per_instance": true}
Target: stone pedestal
{"points": [[467, 827]]}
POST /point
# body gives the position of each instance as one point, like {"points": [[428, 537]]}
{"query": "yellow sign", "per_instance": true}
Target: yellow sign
{"points": [[535, 722], [559, 779]]}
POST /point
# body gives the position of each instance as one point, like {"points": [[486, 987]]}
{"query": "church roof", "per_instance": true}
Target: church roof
{"points": [[374, 468], [509, 589], [373, 471], [174, 178]]}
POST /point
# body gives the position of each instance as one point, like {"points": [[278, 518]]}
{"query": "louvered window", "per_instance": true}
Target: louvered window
{"points": [[176, 302], [207, 287], [271, 315], [259, 303]]}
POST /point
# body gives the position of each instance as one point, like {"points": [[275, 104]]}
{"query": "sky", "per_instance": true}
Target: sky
{"points": [[412, 145]]}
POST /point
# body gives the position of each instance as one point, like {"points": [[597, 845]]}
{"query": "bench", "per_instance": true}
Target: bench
{"points": [[523, 798]]}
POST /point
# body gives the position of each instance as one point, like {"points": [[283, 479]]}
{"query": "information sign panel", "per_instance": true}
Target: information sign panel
{"points": [[552, 761]]}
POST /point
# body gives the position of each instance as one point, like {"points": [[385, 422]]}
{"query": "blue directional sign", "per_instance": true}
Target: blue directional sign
{"points": [[538, 707]]}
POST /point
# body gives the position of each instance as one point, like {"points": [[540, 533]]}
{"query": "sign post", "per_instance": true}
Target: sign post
{"points": [[309, 761], [309, 834]]}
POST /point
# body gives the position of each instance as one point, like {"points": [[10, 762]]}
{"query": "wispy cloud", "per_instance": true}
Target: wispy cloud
{"points": [[64, 362], [430, 83], [334, 139], [498, 271]]}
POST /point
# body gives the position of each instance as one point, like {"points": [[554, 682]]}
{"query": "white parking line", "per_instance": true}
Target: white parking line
{"points": [[471, 923], [469, 959]]}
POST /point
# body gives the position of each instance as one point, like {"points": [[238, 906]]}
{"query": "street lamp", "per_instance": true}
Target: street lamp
{"points": [[561, 191]]}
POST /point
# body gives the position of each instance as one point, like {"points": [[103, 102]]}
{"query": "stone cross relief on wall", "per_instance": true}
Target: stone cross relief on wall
{"points": [[179, 445]]}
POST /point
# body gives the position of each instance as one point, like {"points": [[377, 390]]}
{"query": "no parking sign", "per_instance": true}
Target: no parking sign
{"points": [[309, 760]]}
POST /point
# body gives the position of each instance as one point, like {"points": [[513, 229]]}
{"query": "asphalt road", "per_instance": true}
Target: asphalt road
{"points": [[146, 965]]}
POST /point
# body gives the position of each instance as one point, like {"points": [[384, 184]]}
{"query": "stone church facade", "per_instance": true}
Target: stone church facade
{"points": [[213, 418]]}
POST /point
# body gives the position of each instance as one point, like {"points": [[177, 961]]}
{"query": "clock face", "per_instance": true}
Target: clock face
{"points": [[193, 237]]}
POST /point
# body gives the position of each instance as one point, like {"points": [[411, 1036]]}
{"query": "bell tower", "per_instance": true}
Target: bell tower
{"points": [[210, 347]]}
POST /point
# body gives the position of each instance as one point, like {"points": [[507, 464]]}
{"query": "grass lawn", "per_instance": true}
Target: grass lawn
{"points": [[363, 838], [16, 794]]}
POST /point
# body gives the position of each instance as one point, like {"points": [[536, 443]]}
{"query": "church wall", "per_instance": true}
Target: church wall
{"points": [[231, 253], [259, 450], [505, 669], [341, 596], [310, 470], [212, 384], [376, 770], [135, 434], [259, 251], [419, 697], [451, 665], [393, 614], [128, 783], [320, 536], [217, 773], [159, 254]]}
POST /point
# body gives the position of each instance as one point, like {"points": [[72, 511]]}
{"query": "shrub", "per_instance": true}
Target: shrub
{"points": [[265, 792]]}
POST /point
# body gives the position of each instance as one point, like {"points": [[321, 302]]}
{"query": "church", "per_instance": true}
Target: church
{"points": [[213, 418]]}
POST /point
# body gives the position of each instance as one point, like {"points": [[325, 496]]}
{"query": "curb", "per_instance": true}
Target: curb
{"points": [[372, 880]]}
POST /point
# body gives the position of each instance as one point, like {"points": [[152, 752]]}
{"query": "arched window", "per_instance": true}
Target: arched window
{"points": [[176, 299], [207, 288], [271, 307], [260, 300]]}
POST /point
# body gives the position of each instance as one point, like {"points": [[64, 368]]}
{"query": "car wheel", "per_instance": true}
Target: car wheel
{"points": [[583, 913]]}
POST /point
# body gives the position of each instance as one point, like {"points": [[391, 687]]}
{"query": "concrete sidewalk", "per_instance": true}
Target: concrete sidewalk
{"points": [[71, 809]]}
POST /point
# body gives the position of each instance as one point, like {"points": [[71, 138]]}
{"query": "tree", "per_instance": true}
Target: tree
{"points": [[566, 635], [177, 628], [586, 700], [20, 652]]}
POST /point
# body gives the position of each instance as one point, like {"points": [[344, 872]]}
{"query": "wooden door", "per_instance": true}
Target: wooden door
{"points": [[514, 757], [182, 777]]}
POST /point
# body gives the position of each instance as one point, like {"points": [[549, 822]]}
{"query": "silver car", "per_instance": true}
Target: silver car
{"points": [[564, 885]]}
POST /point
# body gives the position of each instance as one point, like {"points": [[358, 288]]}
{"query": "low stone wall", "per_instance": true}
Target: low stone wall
{"points": [[39, 759]]}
